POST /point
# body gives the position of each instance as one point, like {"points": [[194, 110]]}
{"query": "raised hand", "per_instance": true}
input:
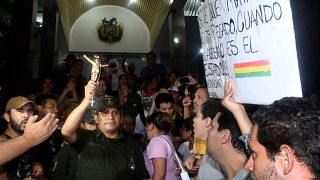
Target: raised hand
{"points": [[186, 101], [192, 80], [228, 101], [90, 89], [70, 86], [237, 109], [37, 132]]}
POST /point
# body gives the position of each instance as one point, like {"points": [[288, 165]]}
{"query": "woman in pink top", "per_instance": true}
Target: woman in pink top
{"points": [[159, 154]]}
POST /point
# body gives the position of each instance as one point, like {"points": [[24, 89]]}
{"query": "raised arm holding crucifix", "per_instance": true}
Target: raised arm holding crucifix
{"points": [[95, 71]]}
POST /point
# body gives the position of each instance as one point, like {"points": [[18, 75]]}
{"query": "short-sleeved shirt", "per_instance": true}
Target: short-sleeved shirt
{"points": [[161, 146], [104, 158]]}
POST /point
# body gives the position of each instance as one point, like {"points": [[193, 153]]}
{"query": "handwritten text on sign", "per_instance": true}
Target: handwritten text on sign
{"points": [[253, 43]]}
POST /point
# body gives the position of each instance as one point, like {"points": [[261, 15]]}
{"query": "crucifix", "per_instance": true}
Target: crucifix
{"points": [[95, 71]]}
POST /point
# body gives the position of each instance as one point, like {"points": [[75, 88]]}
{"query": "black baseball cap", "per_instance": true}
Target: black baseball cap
{"points": [[88, 116], [109, 101]]}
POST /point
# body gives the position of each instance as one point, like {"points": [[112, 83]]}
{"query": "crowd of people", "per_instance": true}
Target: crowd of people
{"points": [[118, 126]]}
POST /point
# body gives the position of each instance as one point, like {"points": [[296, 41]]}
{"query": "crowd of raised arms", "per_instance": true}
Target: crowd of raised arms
{"points": [[125, 126]]}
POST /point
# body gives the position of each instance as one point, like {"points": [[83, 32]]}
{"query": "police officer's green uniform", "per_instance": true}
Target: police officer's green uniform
{"points": [[112, 159]]}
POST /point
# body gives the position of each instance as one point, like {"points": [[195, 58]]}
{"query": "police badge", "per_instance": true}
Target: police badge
{"points": [[109, 31]]}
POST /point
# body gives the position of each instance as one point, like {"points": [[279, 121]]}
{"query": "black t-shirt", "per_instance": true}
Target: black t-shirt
{"points": [[19, 167]]}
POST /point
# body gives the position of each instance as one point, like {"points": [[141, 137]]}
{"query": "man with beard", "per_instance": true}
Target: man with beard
{"points": [[285, 141], [105, 153], [22, 134]]}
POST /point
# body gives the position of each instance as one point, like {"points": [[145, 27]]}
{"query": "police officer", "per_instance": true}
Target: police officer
{"points": [[105, 153]]}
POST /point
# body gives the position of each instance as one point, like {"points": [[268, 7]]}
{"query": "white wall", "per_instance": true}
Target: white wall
{"points": [[84, 37]]}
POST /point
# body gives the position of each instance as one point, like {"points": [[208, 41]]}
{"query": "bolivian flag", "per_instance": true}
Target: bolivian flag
{"points": [[252, 69]]}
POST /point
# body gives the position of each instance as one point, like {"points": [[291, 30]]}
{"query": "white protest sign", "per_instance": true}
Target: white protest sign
{"points": [[253, 43]]}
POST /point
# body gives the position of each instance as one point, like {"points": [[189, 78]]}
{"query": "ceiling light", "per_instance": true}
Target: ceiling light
{"points": [[176, 40], [39, 18], [132, 1]]}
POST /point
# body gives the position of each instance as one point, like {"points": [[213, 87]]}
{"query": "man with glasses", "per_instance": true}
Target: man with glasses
{"points": [[105, 153], [21, 134]]}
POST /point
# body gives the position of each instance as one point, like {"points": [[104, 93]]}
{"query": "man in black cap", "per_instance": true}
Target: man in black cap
{"points": [[88, 121], [105, 153]]}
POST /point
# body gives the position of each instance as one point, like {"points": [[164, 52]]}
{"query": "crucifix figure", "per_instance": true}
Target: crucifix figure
{"points": [[95, 71]]}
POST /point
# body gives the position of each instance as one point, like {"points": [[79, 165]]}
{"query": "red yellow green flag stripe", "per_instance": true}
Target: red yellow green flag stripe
{"points": [[252, 69]]}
